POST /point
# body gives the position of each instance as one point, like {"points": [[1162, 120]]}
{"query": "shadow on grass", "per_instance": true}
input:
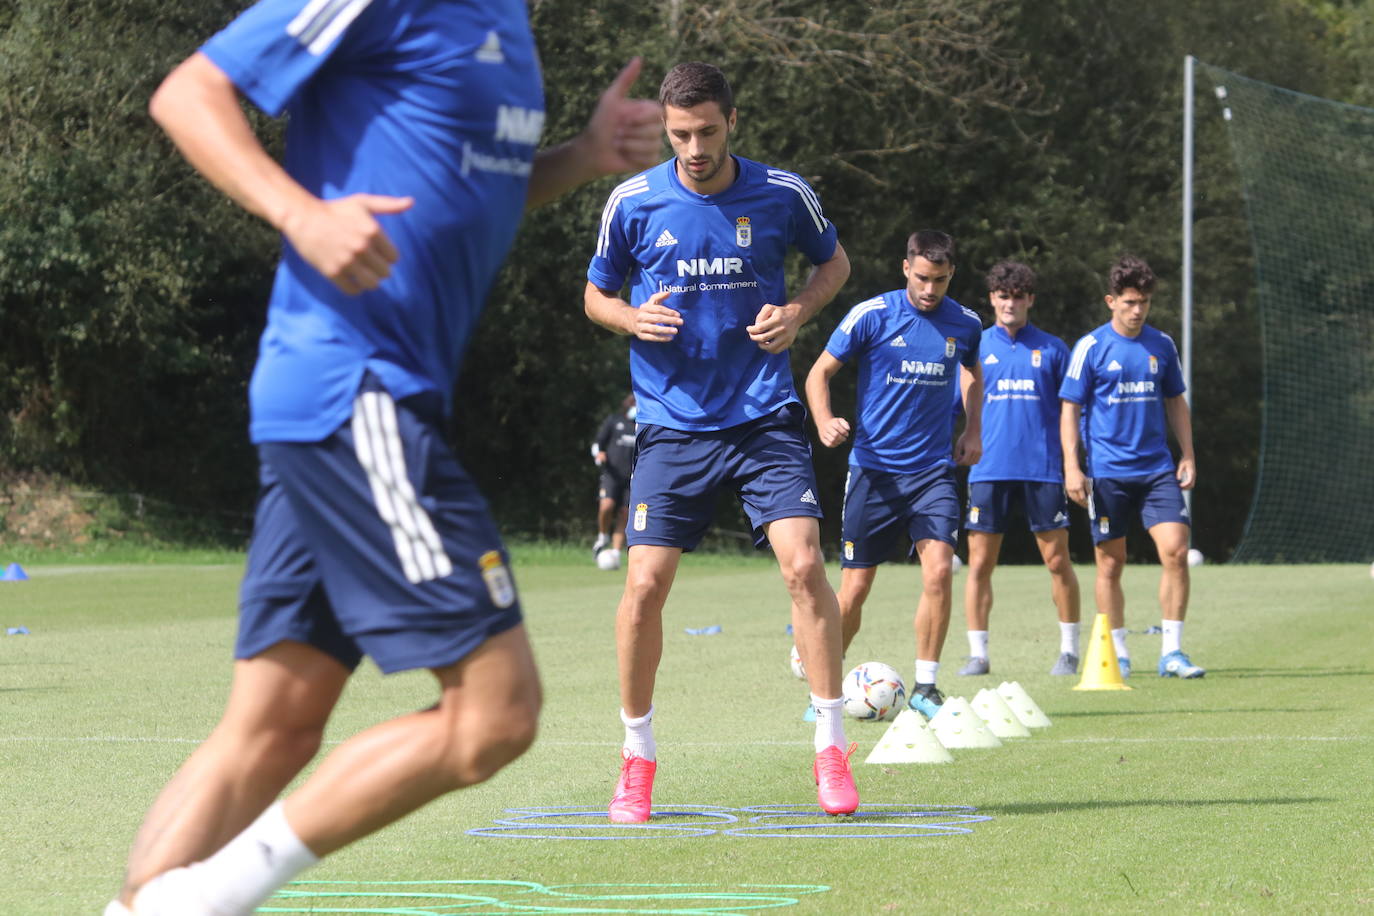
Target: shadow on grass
{"points": [[1291, 672], [1049, 807], [1186, 711]]}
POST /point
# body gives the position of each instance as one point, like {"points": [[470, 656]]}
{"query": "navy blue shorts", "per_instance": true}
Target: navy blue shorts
{"points": [[992, 502], [1113, 502], [613, 486], [678, 474], [880, 507], [374, 542]]}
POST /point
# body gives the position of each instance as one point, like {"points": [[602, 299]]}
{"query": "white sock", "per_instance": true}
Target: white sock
{"points": [[829, 722], [1173, 637], [926, 671], [1119, 640], [115, 908], [639, 735], [978, 643], [235, 880], [1068, 637]]}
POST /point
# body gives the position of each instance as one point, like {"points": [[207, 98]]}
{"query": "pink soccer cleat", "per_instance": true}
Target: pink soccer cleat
{"points": [[834, 782], [634, 791]]}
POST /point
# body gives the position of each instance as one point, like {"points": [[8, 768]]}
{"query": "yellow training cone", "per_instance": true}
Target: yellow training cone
{"points": [[1100, 670]]}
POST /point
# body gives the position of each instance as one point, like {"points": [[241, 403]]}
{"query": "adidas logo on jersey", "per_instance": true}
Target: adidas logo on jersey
{"points": [[898, 342], [1113, 366], [490, 51], [992, 360], [809, 497], [665, 238]]}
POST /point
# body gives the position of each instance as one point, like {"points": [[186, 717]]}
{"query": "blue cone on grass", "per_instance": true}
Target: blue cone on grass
{"points": [[14, 573]]}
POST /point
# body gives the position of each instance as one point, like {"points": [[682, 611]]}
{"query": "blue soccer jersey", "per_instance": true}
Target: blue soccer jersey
{"points": [[1021, 377], [908, 364], [721, 257], [439, 101], [1122, 382]]}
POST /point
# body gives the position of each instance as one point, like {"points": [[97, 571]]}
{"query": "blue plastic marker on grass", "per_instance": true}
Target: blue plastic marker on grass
{"points": [[704, 631]]}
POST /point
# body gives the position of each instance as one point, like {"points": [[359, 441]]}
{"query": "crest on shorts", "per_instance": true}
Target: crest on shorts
{"points": [[949, 346], [1035, 358], [1154, 365], [973, 515], [743, 234], [641, 516], [1104, 525], [497, 577], [849, 550]]}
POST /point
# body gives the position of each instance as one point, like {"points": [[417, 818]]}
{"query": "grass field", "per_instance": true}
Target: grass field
{"points": [[1249, 790]]}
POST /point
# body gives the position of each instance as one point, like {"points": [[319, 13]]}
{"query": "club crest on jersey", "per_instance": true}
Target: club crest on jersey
{"points": [[1035, 358], [949, 346], [743, 234], [641, 516], [497, 577], [1154, 365], [849, 550]]}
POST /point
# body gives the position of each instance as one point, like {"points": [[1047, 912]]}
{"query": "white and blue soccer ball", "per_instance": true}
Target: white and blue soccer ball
{"points": [[608, 558], [873, 690], [798, 669]]}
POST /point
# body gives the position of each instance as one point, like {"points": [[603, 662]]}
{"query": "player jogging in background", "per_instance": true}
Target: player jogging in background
{"points": [[613, 449], [1124, 387], [703, 238], [410, 159], [908, 346], [1022, 462]]}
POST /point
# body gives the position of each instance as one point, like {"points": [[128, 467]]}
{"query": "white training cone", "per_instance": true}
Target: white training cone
{"points": [[957, 725], [1030, 714], [908, 740], [993, 710]]}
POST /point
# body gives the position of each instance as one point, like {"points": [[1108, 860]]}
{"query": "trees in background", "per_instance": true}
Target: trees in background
{"points": [[131, 293]]}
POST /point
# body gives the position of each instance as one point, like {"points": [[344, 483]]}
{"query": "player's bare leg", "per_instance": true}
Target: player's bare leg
{"points": [[1111, 563], [855, 584], [983, 549], [618, 532], [1171, 540], [278, 705], [932, 622], [1054, 550], [816, 624]]}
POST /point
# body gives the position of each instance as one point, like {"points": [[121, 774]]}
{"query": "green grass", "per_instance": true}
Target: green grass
{"points": [[1246, 791]]}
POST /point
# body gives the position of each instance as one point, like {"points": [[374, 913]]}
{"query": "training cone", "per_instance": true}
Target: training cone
{"points": [[957, 725], [14, 573], [1100, 669], [1022, 706], [993, 710], [909, 740]]}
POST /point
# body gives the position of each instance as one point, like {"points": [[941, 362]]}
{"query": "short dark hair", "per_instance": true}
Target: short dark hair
{"points": [[692, 83], [1011, 277], [936, 247], [1130, 272]]}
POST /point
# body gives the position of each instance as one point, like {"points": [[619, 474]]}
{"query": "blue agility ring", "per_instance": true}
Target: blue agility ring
{"points": [[522, 826], [866, 824]]}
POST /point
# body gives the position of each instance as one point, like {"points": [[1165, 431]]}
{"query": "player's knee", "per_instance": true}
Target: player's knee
{"points": [[1174, 556], [644, 593], [1059, 565], [474, 748], [804, 573]]}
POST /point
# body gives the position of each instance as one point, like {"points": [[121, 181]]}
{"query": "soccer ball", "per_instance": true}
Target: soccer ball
{"points": [[872, 690], [798, 668], [1195, 557], [608, 559]]}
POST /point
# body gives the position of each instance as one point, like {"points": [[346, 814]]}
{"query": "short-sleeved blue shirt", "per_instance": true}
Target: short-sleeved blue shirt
{"points": [[908, 364], [1122, 383], [721, 256], [1021, 377], [439, 101]]}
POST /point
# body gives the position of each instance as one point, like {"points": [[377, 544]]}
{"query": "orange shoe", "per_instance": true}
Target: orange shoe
{"points": [[834, 782], [634, 791]]}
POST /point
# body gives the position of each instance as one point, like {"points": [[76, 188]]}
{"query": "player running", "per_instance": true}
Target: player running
{"points": [[1022, 462], [702, 238], [908, 344], [1124, 386]]}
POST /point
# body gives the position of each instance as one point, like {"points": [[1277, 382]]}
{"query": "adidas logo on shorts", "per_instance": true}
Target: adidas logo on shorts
{"points": [[809, 497]]}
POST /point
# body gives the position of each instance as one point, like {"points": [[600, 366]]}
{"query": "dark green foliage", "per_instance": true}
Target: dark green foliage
{"points": [[131, 293]]}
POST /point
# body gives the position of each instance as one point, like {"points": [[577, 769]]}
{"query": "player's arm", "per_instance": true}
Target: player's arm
{"points": [[969, 447], [1181, 422], [776, 326], [653, 321], [832, 429], [1075, 483], [198, 107], [623, 135]]}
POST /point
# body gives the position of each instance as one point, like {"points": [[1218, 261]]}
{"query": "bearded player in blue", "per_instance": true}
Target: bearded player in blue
{"points": [[1122, 394], [702, 240], [909, 345], [410, 157], [1022, 463]]}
